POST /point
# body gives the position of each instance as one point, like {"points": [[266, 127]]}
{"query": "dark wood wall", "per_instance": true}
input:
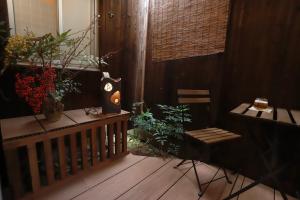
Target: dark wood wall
{"points": [[262, 56], [164, 78], [262, 60]]}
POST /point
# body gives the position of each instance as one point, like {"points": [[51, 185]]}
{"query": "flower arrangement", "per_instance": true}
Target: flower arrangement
{"points": [[45, 77], [44, 72], [39, 80], [34, 88]]}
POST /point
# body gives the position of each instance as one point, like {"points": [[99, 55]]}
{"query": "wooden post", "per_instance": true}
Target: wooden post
{"points": [[94, 146], [124, 136], [103, 147], [110, 140], [33, 165], [73, 145], [118, 138], [49, 161], [84, 150], [62, 157]]}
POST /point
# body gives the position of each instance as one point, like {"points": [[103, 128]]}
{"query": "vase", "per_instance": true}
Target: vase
{"points": [[52, 109]]}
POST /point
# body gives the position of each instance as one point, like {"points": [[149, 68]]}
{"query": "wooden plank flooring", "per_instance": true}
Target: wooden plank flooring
{"points": [[148, 178]]}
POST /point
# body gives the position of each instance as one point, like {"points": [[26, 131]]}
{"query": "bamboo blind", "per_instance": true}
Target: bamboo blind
{"points": [[187, 28]]}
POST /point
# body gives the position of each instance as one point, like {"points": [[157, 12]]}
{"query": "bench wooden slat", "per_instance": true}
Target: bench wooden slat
{"points": [[49, 162], [269, 116], [63, 122], [84, 150], [73, 146], [20, 127], [118, 138], [193, 100], [33, 167], [241, 108], [124, 136], [94, 146], [102, 140], [296, 115], [110, 140], [283, 116], [192, 92], [62, 157]]}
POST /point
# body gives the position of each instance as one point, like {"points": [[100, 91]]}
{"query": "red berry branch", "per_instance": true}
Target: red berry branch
{"points": [[35, 88]]}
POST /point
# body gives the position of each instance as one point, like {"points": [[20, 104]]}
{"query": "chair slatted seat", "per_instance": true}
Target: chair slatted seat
{"points": [[211, 136]]}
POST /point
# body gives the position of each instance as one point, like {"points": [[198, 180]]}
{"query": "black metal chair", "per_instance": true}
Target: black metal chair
{"points": [[208, 138]]}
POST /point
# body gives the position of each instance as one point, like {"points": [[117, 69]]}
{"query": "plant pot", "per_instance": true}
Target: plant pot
{"points": [[52, 109]]}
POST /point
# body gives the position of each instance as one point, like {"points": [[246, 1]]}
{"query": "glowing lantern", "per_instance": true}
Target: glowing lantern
{"points": [[111, 95]]}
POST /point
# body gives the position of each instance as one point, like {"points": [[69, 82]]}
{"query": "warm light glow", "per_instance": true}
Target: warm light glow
{"points": [[115, 98]]}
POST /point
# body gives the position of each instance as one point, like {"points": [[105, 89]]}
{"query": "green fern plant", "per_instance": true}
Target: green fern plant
{"points": [[167, 131]]}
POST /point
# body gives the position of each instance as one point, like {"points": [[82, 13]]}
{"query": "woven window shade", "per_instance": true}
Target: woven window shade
{"points": [[187, 28]]}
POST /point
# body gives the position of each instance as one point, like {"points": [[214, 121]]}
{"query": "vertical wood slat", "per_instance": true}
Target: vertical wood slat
{"points": [[102, 145], [110, 140], [62, 157], [49, 162], [124, 136], [94, 146], [118, 138], [73, 146], [14, 172], [33, 167], [84, 150]]}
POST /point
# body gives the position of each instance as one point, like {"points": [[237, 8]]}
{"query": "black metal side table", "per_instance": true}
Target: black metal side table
{"points": [[279, 116]]}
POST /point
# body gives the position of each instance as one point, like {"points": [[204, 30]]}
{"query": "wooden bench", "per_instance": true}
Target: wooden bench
{"points": [[39, 153]]}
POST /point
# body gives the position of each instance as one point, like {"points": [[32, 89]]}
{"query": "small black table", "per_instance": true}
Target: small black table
{"points": [[277, 117]]}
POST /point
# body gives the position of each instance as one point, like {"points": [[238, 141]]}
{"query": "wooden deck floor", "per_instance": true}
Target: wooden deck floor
{"points": [[137, 178]]}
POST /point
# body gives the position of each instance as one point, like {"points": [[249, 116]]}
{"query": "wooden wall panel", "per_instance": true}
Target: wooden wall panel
{"points": [[113, 14], [164, 78], [262, 60], [262, 53]]}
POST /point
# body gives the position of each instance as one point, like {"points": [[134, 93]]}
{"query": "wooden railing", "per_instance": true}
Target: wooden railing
{"points": [[39, 154]]}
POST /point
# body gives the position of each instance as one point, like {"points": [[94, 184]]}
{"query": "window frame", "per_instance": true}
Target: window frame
{"points": [[94, 46]]}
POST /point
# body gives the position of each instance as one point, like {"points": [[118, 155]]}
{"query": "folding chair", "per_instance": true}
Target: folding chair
{"points": [[210, 138]]}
